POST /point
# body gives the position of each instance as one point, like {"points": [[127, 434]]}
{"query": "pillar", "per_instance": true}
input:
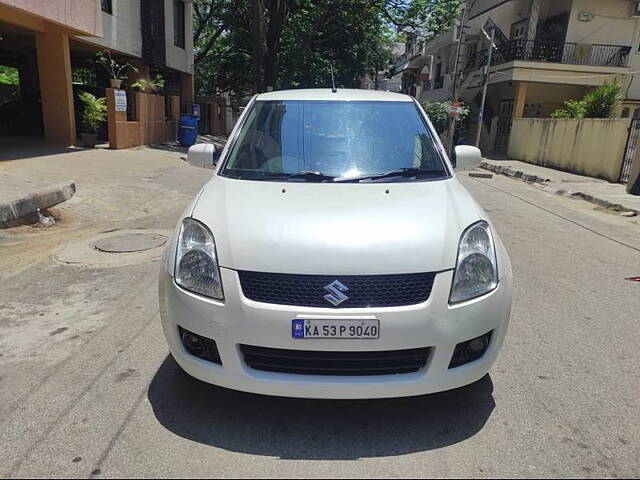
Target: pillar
{"points": [[521, 99], [186, 89], [54, 68], [534, 17], [115, 120]]}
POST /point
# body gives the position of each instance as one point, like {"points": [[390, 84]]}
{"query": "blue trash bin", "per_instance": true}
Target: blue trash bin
{"points": [[188, 130]]}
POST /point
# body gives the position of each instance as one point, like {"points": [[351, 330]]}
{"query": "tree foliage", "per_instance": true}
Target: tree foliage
{"points": [[9, 75], [424, 18], [246, 46]]}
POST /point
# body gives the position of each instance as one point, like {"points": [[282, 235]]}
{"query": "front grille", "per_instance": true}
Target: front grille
{"points": [[304, 362], [364, 290]]}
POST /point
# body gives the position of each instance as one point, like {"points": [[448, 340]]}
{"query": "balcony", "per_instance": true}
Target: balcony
{"points": [[553, 52]]}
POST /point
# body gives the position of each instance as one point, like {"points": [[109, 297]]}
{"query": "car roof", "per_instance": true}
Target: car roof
{"points": [[341, 94]]}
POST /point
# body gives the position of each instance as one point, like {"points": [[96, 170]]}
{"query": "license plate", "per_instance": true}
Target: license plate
{"points": [[306, 329]]}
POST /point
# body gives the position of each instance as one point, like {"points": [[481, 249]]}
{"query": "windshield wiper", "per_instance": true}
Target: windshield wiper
{"points": [[309, 175], [407, 172]]}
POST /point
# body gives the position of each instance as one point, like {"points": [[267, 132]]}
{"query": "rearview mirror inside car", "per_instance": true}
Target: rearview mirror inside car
{"points": [[466, 157], [203, 155]]}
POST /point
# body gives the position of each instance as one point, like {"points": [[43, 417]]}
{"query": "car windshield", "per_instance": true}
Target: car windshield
{"points": [[327, 141]]}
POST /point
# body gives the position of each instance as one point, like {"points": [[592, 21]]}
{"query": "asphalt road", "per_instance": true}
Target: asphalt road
{"points": [[87, 387]]}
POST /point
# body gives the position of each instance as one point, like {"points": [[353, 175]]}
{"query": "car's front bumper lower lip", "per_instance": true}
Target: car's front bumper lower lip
{"points": [[237, 321]]}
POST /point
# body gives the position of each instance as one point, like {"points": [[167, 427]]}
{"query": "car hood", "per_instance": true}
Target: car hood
{"points": [[336, 229]]}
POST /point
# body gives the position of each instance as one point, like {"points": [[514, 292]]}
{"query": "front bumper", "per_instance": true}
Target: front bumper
{"points": [[238, 321]]}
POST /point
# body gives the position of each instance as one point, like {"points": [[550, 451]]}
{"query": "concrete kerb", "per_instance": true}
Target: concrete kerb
{"points": [[509, 172], [25, 208]]}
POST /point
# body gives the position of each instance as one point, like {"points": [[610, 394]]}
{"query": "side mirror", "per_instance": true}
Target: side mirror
{"points": [[203, 155], [466, 157]]}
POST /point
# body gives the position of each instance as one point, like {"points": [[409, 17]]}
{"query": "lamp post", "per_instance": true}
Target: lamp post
{"points": [[487, 77]]}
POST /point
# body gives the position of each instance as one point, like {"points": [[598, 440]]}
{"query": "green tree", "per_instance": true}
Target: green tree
{"points": [[245, 46], [424, 18]]}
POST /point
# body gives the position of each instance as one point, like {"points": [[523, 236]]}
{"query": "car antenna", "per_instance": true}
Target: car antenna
{"points": [[333, 80]]}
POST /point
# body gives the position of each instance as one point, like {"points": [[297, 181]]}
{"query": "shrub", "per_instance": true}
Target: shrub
{"points": [[94, 113], [438, 113], [149, 86], [603, 101], [573, 109]]}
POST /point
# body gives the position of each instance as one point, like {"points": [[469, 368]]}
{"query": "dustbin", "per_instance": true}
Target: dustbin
{"points": [[188, 130]]}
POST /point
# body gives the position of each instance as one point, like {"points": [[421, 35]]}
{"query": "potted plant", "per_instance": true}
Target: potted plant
{"points": [[146, 85], [93, 115], [117, 71]]}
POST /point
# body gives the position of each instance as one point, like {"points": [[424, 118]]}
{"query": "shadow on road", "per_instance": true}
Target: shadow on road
{"points": [[315, 429]]}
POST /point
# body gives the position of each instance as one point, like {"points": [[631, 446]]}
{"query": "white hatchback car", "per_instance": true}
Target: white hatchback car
{"points": [[334, 254]]}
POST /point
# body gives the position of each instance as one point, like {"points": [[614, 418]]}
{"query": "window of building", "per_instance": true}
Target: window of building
{"points": [[178, 24], [519, 30], [107, 6]]}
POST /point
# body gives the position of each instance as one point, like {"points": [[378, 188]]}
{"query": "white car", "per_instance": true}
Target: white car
{"points": [[335, 255]]}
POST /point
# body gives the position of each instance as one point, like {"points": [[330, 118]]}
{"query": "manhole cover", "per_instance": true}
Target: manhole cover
{"points": [[130, 242]]}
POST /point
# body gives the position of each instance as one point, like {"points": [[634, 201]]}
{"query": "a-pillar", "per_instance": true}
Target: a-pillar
{"points": [[521, 99], [54, 68]]}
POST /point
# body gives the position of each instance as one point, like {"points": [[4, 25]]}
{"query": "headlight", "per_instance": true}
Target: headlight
{"points": [[476, 270], [196, 261]]}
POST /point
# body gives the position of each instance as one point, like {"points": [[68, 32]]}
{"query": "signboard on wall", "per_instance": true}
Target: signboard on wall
{"points": [[121, 101]]}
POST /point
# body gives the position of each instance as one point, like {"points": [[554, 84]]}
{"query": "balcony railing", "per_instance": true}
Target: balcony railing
{"points": [[553, 52]]}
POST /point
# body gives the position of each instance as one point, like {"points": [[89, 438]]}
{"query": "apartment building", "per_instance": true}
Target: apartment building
{"points": [[53, 43], [545, 52]]}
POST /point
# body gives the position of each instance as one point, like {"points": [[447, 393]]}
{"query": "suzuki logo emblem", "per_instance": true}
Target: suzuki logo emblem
{"points": [[336, 294]]}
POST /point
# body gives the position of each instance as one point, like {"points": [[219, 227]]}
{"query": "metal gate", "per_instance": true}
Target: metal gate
{"points": [[630, 151], [503, 132]]}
